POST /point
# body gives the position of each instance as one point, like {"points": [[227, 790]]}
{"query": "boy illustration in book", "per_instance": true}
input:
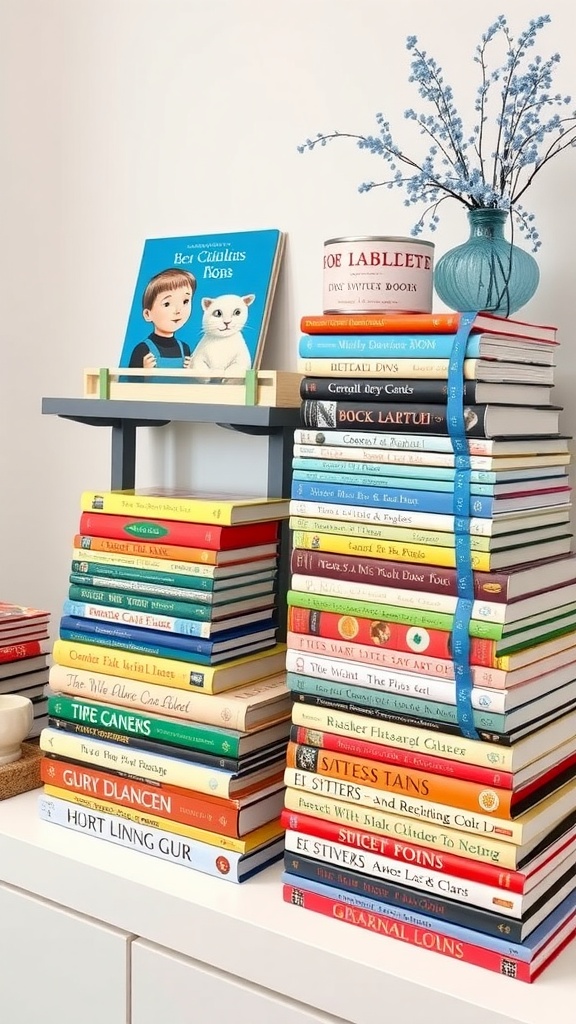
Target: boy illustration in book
{"points": [[167, 305], [222, 351]]}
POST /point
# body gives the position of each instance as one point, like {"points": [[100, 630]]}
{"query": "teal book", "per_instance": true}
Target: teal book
{"points": [[202, 303]]}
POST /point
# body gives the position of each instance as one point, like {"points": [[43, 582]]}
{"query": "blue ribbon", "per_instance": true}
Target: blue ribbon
{"points": [[461, 511]]}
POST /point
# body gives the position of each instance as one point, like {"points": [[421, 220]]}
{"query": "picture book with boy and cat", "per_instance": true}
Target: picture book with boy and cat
{"points": [[202, 304]]}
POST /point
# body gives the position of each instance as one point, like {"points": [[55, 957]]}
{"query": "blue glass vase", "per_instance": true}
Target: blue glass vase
{"points": [[487, 273]]}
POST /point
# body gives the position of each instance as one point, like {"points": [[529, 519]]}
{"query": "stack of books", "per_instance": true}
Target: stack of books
{"points": [[431, 791], [24, 649], [169, 712]]}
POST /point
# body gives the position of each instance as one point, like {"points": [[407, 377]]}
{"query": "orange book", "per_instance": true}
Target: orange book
{"points": [[398, 781], [175, 552], [234, 818], [422, 323]]}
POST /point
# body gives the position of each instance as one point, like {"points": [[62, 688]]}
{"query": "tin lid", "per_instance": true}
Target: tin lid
{"points": [[379, 238]]}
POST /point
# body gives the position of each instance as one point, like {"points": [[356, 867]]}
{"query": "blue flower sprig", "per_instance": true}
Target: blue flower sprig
{"points": [[518, 129]]}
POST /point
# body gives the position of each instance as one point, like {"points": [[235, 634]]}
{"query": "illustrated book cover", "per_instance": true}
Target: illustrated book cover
{"points": [[202, 303]]}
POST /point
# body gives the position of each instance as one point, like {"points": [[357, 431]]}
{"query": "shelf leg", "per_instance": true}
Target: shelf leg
{"points": [[123, 460]]}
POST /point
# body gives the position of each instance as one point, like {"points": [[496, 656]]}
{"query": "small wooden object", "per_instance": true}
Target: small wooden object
{"points": [[22, 775], [271, 388]]}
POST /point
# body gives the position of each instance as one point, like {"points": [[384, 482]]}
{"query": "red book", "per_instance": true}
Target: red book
{"points": [[423, 323], [381, 924], [163, 531], [19, 616], [28, 649]]}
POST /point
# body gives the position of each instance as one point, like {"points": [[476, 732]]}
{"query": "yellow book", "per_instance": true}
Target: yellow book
{"points": [[407, 830], [522, 830], [184, 675], [439, 744], [251, 841], [179, 505], [145, 765], [419, 554], [373, 531]]}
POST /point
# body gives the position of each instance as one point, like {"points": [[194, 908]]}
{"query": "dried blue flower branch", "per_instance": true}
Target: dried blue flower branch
{"points": [[492, 165]]}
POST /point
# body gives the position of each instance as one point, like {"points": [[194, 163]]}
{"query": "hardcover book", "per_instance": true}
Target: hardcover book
{"points": [[202, 303]]}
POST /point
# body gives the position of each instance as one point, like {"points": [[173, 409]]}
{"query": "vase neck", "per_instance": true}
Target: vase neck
{"points": [[486, 223]]}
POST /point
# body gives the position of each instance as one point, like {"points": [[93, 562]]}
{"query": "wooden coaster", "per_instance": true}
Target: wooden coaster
{"points": [[22, 775]]}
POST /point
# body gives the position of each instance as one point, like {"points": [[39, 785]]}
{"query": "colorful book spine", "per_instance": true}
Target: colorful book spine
{"points": [[370, 531], [474, 906], [189, 534], [133, 723], [208, 596], [503, 855], [353, 747], [102, 574], [139, 603], [406, 783], [383, 346], [377, 476], [413, 856], [185, 508], [429, 443], [165, 623], [419, 600], [213, 574], [148, 766], [155, 842], [172, 552], [390, 475], [391, 497], [424, 323], [206, 813], [168, 671], [377, 631], [25, 649], [367, 916], [251, 841], [414, 369], [398, 389], [426, 458]]}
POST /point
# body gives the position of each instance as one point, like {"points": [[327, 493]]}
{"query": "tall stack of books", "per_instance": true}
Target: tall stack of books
{"points": [[24, 649], [431, 791], [169, 712]]}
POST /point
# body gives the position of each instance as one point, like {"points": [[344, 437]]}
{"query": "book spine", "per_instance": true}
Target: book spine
{"points": [[141, 603], [376, 631], [153, 841], [201, 588], [401, 684], [371, 916], [381, 346], [367, 610], [388, 517], [385, 415], [370, 531], [408, 830], [370, 390], [425, 938], [401, 758], [124, 809], [468, 905], [439, 668], [26, 649], [422, 484], [224, 710], [407, 783], [407, 854], [153, 642], [329, 542], [145, 549], [141, 744], [170, 770], [419, 715], [377, 369], [488, 586], [118, 559], [380, 456], [105, 716], [163, 671], [369, 468], [143, 620], [372, 323], [486, 755], [115, 582], [188, 534], [149, 505], [206, 814], [419, 600], [408, 443]]}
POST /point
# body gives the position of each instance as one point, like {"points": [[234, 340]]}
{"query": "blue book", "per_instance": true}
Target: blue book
{"points": [[380, 479], [202, 303], [524, 951], [381, 497], [403, 346], [165, 645]]}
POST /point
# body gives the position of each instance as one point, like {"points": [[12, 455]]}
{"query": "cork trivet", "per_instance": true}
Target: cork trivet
{"points": [[22, 775]]}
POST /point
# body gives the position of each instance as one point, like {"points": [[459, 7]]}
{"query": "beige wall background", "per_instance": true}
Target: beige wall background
{"points": [[127, 119]]}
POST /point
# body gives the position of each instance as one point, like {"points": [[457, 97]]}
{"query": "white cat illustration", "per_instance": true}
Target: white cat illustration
{"points": [[222, 351]]}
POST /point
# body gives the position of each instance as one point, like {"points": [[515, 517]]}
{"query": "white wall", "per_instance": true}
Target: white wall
{"points": [[122, 119]]}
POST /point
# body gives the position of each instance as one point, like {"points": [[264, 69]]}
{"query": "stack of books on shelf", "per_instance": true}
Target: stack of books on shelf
{"points": [[24, 650], [431, 790], [169, 714]]}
